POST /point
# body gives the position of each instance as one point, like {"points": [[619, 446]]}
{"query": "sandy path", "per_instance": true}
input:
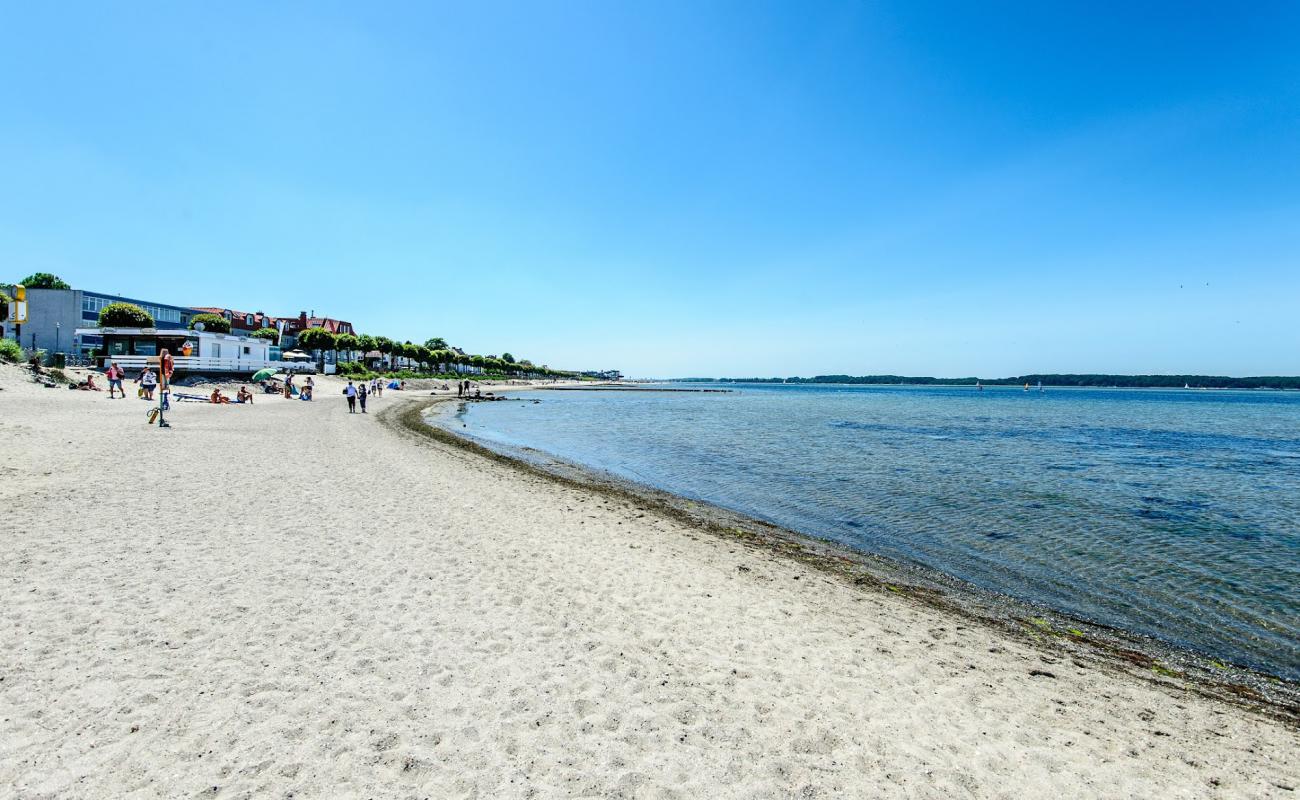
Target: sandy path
{"points": [[287, 600]]}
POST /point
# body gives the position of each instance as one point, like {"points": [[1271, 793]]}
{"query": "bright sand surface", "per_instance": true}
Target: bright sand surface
{"points": [[287, 600]]}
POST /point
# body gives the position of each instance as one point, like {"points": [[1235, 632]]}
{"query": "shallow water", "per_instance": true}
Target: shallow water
{"points": [[1174, 514]]}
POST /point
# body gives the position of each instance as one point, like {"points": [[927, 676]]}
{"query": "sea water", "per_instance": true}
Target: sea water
{"points": [[1174, 514]]}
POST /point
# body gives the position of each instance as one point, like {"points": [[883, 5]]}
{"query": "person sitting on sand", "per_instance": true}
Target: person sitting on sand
{"points": [[244, 396], [308, 388], [88, 385], [217, 397]]}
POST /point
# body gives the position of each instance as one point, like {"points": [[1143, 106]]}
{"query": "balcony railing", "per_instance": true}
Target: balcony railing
{"points": [[206, 364]]}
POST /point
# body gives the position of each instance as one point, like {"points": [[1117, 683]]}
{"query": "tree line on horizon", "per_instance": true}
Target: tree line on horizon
{"points": [[1047, 379]]}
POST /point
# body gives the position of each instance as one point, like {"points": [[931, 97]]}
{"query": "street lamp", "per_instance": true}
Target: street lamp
{"points": [[58, 326]]}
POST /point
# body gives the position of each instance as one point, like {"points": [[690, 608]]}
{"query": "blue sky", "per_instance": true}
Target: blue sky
{"points": [[682, 188]]}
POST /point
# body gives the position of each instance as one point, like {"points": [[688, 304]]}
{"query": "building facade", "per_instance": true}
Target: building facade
{"points": [[240, 321], [54, 315]]}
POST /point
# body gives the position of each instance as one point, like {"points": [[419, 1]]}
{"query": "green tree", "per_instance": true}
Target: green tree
{"points": [[347, 342], [436, 343], [124, 315], [270, 334], [441, 359], [317, 339], [214, 323], [410, 351], [44, 280], [365, 343], [385, 345], [5, 300], [506, 357]]}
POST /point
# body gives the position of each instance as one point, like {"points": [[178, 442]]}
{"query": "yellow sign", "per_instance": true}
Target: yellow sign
{"points": [[18, 308]]}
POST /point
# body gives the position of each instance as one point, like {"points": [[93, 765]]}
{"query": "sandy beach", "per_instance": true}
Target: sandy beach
{"points": [[286, 600]]}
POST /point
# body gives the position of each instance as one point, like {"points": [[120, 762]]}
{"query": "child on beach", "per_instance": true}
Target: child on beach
{"points": [[361, 396]]}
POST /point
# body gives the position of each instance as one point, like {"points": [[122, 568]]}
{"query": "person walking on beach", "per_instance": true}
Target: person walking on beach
{"points": [[351, 393], [288, 386], [114, 375], [361, 396]]}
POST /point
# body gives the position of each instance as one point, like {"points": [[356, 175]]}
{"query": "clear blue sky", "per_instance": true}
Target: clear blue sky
{"points": [[681, 188]]}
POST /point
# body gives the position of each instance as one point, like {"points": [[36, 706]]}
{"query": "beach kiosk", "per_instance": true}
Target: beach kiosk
{"points": [[194, 351]]}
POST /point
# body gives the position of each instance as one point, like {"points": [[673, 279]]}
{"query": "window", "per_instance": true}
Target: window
{"points": [[91, 306], [246, 351]]}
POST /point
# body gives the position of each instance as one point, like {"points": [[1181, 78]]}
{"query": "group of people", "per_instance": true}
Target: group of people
{"points": [[290, 391], [463, 389], [242, 396], [357, 393], [147, 380]]}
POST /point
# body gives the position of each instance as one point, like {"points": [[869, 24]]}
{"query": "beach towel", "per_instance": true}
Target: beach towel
{"points": [[394, 385]]}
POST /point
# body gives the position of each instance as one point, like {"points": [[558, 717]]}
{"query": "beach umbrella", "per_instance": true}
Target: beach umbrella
{"points": [[262, 374], [295, 355]]}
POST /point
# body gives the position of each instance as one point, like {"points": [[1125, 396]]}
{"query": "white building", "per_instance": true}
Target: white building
{"points": [[194, 351]]}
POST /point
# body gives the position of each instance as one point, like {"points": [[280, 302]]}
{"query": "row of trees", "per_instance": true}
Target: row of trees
{"points": [[435, 355]]}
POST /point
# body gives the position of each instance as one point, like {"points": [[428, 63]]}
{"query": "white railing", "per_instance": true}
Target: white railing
{"points": [[205, 364]]}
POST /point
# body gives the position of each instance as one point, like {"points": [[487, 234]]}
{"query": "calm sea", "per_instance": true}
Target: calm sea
{"points": [[1174, 514]]}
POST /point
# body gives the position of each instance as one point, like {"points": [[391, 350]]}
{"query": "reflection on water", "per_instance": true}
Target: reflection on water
{"points": [[1175, 514]]}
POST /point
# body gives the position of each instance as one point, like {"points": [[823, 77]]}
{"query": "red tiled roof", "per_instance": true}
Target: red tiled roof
{"points": [[260, 320], [331, 325]]}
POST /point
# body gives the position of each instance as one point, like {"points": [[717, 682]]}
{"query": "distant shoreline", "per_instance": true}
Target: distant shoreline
{"points": [[1048, 380]]}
